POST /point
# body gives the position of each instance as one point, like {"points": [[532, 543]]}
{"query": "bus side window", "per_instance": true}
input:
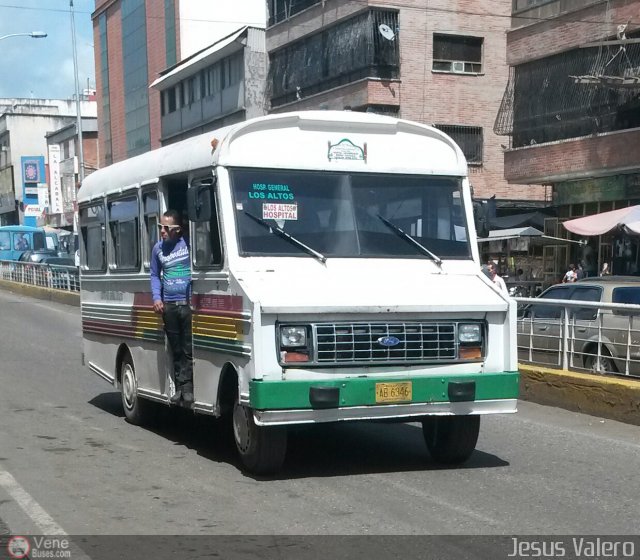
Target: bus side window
{"points": [[151, 212], [123, 228], [92, 237], [207, 244]]}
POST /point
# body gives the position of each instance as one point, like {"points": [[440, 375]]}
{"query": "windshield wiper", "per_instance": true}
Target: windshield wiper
{"points": [[284, 235], [436, 259]]}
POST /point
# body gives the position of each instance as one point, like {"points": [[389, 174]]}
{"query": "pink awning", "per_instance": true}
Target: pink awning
{"points": [[597, 224]]}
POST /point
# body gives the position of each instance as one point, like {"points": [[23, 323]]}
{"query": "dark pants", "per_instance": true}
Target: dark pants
{"points": [[177, 325]]}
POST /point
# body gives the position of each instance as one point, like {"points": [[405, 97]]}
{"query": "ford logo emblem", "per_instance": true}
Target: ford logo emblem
{"points": [[388, 341]]}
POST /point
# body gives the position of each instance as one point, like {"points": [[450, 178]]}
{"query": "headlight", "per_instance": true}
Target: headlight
{"points": [[293, 337], [469, 333]]}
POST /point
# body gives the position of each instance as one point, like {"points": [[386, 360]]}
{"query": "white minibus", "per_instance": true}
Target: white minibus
{"points": [[335, 277]]}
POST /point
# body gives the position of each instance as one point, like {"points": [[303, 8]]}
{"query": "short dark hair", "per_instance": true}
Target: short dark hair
{"points": [[174, 215]]}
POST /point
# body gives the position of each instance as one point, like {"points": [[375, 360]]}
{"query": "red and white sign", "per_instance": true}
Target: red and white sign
{"points": [[55, 179], [32, 211], [272, 211]]}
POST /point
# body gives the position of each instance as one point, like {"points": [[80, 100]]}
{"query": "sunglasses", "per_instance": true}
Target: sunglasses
{"points": [[167, 228]]}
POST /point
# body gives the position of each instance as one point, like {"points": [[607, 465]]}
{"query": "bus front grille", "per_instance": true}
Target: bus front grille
{"points": [[382, 342]]}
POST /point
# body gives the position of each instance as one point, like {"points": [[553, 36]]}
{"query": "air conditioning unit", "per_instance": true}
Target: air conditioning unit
{"points": [[457, 66]]}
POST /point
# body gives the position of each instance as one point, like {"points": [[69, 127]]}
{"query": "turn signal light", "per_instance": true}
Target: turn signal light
{"points": [[470, 353], [292, 357]]}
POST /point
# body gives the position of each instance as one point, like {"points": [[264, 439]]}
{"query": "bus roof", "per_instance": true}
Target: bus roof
{"points": [[358, 142], [24, 229]]}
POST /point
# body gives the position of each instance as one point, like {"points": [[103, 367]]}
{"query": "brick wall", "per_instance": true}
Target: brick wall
{"points": [[90, 151], [575, 159], [156, 61], [423, 95], [592, 23]]}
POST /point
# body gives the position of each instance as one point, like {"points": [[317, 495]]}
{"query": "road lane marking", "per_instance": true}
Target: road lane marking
{"points": [[32, 508]]}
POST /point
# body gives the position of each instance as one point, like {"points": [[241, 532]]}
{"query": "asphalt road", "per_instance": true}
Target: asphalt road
{"points": [[70, 463]]}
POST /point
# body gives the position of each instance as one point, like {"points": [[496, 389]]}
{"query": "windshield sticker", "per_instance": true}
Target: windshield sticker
{"points": [[272, 211], [267, 191], [347, 150]]}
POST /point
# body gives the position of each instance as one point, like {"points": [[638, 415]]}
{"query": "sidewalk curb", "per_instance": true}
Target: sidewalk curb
{"points": [[48, 294], [616, 398]]}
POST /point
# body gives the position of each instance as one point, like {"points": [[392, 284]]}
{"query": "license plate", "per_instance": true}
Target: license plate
{"points": [[393, 392]]}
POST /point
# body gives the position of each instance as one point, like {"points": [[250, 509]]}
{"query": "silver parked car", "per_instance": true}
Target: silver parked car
{"points": [[599, 340]]}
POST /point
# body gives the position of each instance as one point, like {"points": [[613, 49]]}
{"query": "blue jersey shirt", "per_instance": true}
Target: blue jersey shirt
{"points": [[170, 271]]}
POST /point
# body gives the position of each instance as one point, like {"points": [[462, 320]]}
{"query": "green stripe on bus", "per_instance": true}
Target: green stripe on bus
{"points": [[361, 391], [224, 345]]}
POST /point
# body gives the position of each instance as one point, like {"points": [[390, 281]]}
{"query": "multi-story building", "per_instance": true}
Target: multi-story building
{"points": [[436, 62], [218, 86], [572, 113], [138, 41], [24, 124]]}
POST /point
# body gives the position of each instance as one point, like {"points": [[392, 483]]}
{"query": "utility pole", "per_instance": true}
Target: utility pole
{"points": [[78, 122]]}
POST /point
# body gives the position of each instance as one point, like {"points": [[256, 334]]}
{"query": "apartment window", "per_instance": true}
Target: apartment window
{"points": [[342, 54], [105, 128], [456, 53], [135, 76], [469, 138], [170, 32], [280, 10], [123, 227], [518, 5]]}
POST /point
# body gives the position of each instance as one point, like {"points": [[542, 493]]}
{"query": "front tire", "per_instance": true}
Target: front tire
{"points": [[261, 449], [451, 439], [137, 411]]}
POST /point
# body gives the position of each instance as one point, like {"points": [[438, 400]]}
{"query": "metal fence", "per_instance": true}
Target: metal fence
{"points": [[56, 277], [580, 335]]}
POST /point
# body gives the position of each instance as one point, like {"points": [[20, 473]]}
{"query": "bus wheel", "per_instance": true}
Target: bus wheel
{"points": [[262, 449], [136, 410], [451, 439]]}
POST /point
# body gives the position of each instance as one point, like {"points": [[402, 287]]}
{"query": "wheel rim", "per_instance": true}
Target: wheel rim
{"points": [[128, 386], [600, 364], [242, 427]]}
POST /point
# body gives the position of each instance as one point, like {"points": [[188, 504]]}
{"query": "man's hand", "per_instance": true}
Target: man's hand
{"points": [[158, 306]]}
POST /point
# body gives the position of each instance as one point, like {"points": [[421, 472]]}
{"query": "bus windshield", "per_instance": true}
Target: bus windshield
{"points": [[349, 214]]}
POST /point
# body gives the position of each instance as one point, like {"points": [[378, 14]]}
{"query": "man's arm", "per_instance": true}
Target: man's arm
{"points": [[156, 284]]}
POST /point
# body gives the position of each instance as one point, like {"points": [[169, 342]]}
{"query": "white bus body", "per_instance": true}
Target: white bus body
{"points": [[349, 320]]}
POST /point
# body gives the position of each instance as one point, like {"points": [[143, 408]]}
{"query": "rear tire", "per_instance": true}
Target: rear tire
{"points": [[261, 449], [137, 411], [451, 439]]}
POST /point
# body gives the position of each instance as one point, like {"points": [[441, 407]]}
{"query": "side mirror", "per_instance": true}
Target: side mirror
{"points": [[480, 219], [199, 202]]}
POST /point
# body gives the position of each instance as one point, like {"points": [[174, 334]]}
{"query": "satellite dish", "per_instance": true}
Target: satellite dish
{"points": [[386, 32]]}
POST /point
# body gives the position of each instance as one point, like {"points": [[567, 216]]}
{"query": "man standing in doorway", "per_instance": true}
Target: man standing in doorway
{"points": [[171, 291]]}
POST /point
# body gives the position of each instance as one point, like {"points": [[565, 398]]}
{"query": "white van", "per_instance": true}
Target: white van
{"points": [[335, 277]]}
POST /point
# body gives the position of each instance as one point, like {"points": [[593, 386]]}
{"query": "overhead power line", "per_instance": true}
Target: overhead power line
{"points": [[565, 17]]}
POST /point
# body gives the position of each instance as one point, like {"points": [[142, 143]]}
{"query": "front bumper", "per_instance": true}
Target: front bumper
{"points": [[291, 402]]}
